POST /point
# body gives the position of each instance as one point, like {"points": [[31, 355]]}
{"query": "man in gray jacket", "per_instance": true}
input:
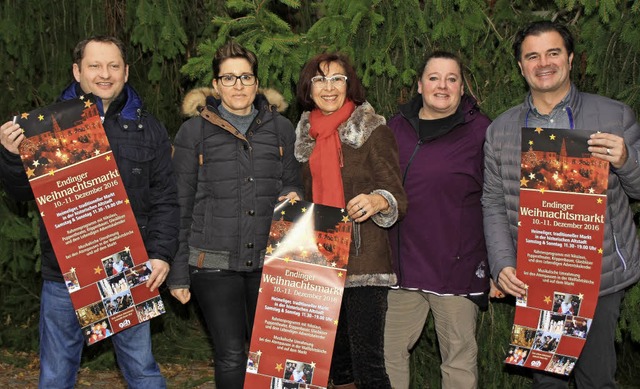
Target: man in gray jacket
{"points": [[544, 51]]}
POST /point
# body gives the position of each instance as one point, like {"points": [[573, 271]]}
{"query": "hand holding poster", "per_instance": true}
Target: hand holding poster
{"points": [[559, 255], [300, 296], [85, 209]]}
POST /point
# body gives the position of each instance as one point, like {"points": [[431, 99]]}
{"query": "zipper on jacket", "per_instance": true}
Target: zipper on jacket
{"points": [[615, 243], [404, 178], [251, 177]]}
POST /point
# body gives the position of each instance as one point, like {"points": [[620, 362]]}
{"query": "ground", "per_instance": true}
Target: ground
{"points": [[20, 370]]}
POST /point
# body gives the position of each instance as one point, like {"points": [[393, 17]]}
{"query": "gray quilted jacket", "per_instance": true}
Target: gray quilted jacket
{"points": [[500, 200]]}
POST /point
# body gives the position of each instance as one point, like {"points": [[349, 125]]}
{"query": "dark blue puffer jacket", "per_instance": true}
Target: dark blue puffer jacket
{"points": [[229, 183]]}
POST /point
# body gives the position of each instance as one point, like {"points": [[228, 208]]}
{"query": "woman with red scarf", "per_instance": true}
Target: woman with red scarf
{"points": [[350, 161]]}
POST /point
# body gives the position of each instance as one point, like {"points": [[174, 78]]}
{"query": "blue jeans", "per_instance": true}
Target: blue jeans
{"points": [[228, 301], [61, 344]]}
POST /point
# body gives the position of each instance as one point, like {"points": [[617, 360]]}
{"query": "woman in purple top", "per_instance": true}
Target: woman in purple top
{"points": [[439, 249]]}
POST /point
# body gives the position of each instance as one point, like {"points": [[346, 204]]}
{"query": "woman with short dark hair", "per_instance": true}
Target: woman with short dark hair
{"points": [[234, 161]]}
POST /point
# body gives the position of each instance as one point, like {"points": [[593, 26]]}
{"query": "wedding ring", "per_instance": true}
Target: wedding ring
{"points": [[608, 151], [363, 212]]}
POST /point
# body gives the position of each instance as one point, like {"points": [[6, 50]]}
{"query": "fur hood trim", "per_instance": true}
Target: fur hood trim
{"points": [[354, 132], [196, 98]]}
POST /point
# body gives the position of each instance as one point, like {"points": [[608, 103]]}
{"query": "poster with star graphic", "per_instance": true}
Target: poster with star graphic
{"points": [[563, 202], [87, 215], [300, 296]]}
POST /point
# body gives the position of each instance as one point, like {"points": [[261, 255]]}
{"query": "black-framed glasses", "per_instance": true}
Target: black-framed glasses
{"points": [[231, 79], [322, 81]]}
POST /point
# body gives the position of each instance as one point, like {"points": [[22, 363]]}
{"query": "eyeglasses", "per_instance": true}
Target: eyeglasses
{"points": [[322, 81], [231, 79]]}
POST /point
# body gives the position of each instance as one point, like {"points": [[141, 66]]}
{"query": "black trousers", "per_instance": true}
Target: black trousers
{"points": [[358, 354], [228, 301]]}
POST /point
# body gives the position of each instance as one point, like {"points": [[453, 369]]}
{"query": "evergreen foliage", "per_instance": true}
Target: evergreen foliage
{"points": [[171, 44], [261, 30], [19, 266]]}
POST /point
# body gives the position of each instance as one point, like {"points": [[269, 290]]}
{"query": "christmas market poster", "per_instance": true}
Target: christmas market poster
{"points": [[85, 210], [562, 211], [300, 296]]}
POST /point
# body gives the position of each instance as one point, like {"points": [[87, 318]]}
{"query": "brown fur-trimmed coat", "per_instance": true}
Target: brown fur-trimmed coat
{"points": [[370, 155]]}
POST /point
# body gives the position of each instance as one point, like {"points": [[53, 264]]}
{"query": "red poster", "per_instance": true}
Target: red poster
{"points": [[300, 297], [86, 212], [563, 202]]}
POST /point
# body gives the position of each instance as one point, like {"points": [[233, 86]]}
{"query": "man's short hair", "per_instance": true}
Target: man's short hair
{"points": [[78, 52], [233, 50], [537, 28]]}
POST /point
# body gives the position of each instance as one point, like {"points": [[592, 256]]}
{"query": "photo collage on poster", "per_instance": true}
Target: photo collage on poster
{"points": [[122, 276], [296, 374], [563, 320]]}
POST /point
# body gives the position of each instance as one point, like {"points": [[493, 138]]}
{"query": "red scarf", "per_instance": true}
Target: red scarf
{"points": [[326, 158]]}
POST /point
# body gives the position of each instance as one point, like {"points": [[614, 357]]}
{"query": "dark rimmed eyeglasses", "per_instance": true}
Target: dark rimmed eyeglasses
{"points": [[231, 79]]}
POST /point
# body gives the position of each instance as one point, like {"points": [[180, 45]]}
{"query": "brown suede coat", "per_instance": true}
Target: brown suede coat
{"points": [[370, 155]]}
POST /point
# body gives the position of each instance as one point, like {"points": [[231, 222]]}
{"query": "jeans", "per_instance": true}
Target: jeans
{"points": [[358, 353], [61, 344], [228, 301]]}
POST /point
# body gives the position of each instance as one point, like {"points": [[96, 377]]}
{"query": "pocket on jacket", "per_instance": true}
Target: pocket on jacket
{"points": [[621, 252], [135, 165], [143, 222]]}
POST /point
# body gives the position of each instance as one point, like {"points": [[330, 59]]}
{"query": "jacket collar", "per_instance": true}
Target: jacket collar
{"points": [[260, 103], [196, 99], [410, 111], [354, 132], [128, 103], [573, 100]]}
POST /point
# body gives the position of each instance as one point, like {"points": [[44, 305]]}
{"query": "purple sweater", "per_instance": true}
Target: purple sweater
{"points": [[439, 246]]}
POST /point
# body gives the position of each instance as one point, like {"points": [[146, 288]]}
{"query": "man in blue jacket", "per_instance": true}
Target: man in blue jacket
{"points": [[544, 51], [142, 151]]}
